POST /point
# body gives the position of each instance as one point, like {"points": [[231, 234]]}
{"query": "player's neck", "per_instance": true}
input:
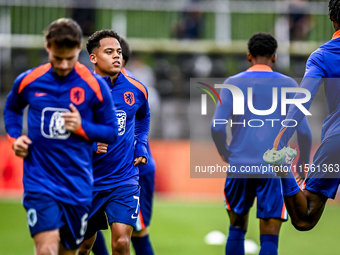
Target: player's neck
{"points": [[336, 26], [262, 61], [114, 78]]}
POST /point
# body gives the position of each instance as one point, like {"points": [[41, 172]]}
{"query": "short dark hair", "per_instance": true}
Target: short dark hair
{"points": [[262, 44], [64, 32], [125, 50], [94, 40], [334, 9]]}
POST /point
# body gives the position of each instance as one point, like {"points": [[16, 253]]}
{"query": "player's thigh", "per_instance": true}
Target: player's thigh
{"points": [[47, 242], [270, 202], [123, 206], [72, 233], [46, 215], [43, 213], [146, 182], [97, 217], [239, 194], [324, 175]]}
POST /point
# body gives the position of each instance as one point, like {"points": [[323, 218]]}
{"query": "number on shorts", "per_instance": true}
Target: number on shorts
{"points": [[83, 224]]}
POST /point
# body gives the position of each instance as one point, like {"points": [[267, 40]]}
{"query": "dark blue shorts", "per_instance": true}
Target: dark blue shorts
{"points": [[146, 181], [44, 214], [120, 204], [324, 175], [240, 193]]}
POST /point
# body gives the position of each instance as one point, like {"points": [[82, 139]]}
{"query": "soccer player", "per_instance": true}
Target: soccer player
{"points": [[249, 143], [69, 109], [116, 187], [140, 235], [306, 206]]}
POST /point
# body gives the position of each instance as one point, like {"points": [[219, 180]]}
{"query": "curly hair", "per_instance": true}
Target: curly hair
{"points": [[334, 9], [94, 40], [262, 44]]}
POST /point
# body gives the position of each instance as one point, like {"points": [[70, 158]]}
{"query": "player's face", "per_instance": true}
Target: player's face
{"points": [[63, 59], [108, 57]]}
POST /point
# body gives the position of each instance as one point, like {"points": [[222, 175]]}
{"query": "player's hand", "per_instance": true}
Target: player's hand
{"points": [[102, 147], [20, 146], [139, 161], [72, 119]]}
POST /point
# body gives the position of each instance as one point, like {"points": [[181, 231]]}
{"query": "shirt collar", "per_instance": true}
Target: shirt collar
{"points": [[336, 34], [259, 68]]}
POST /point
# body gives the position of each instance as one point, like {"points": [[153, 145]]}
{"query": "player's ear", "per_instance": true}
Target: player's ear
{"points": [[93, 58], [47, 46], [249, 57], [274, 58]]}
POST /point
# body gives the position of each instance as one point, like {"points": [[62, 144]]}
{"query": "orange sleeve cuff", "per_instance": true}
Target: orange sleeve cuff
{"points": [[80, 131], [11, 140]]}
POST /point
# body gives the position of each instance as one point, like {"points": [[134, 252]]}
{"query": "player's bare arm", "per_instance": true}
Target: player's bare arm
{"points": [[305, 209], [72, 119], [21, 145]]}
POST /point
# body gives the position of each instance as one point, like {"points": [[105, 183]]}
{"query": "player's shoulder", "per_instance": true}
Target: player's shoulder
{"points": [[135, 83], [287, 80], [31, 75], [317, 54], [128, 73], [94, 81], [232, 79]]}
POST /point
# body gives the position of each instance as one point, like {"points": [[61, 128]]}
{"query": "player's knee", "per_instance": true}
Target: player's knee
{"points": [[47, 249], [303, 225], [84, 250], [121, 245]]}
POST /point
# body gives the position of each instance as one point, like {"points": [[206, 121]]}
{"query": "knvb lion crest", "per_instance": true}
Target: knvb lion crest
{"points": [[129, 98], [77, 95]]}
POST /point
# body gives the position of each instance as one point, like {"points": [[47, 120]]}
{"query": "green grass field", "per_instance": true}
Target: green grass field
{"points": [[179, 227]]}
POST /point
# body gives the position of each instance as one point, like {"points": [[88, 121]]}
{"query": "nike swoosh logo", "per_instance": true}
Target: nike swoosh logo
{"points": [[78, 241], [37, 94], [133, 217]]}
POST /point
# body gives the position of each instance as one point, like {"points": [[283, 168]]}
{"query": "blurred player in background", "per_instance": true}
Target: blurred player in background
{"points": [[306, 206], [140, 235], [116, 187], [69, 109], [248, 144]]}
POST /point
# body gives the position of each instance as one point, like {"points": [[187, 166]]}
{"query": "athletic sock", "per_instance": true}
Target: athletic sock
{"points": [[142, 245], [269, 244], [235, 242], [99, 246]]}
